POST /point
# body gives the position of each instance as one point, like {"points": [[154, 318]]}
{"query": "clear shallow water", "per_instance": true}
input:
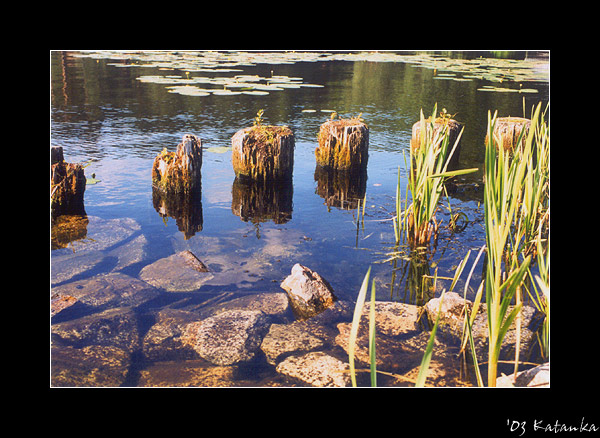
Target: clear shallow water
{"points": [[103, 114]]}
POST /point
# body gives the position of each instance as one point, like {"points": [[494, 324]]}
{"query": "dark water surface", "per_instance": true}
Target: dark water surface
{"points": [[103, 114]]}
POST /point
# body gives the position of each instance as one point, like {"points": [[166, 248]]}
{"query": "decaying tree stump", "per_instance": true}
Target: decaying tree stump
{"points": [[263, 152], [67, 185], [179, 172], [261, 201], [454, 129], [343, 144], [508, 130]]}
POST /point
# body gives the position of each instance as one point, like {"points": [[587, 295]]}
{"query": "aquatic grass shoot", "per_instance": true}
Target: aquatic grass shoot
{"points": [[422, 376], [504, 211], [360, 302], [428, 172]]}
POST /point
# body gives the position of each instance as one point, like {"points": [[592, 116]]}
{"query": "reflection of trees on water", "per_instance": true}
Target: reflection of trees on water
{"points": [[261, 201], [341, 188], [186, 210]]}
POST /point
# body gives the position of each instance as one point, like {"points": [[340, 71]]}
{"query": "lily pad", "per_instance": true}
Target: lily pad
{"points": [[225, 92], [92, 181], [218, 149], [189, 90], [528, 90], [256, 92]]}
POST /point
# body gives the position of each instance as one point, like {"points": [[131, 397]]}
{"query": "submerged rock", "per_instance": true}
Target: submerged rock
{"points": [[393, 318], [90, 366], [181, 272], [108, 290], [309, 293], [272, 304], [165, 339], [189, 373], [300, 336], [59, 302], [105, 244], [117, 327], [228, 338], [316, 369], [393, 353], [538, 377], [451, 326]]}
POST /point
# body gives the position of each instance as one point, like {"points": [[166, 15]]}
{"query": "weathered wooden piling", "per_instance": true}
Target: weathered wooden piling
{"points": [[67, 185], [508, 130], [179, 172], [454, 129], [263, 152], [343, 144]]}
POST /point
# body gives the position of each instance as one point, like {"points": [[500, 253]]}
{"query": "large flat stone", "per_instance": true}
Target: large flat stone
{"points": [[228, 338], [180, 272]]}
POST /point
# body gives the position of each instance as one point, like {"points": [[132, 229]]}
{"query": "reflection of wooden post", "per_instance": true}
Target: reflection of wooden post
{"points": [[67, 185], [341, 188], [343, 144], [508, 130], [454, 129], [263, 153], [260, 201], [186, 209], [179, 171], [66, 229]]}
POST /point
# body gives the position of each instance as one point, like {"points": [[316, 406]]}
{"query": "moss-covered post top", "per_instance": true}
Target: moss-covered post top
{"points": [[263, 152], [343, 144]]}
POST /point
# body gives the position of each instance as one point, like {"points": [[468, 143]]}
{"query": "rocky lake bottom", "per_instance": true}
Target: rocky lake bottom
{"points": [[119, 319]]}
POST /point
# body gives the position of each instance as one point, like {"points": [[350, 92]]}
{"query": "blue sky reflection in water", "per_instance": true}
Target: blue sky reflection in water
{"points": [[103, 110]]}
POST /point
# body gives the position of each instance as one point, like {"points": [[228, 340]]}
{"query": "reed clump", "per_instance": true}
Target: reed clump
{"points": [[429, 161], [515, 206]]}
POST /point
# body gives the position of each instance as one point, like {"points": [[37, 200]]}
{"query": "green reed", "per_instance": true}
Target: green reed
{"points": [[428, 172], [515, 196], [360, 302]]}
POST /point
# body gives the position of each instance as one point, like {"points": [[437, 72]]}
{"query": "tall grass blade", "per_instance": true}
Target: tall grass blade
{"points": [[360, 302], [372, 353], [422, 376]]}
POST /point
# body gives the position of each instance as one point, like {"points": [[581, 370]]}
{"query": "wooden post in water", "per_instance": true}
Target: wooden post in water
{"points": [[454, 129], [67, 185], [179, 172], [343, 144], [177, 185], [263, 152], [508, 130]]}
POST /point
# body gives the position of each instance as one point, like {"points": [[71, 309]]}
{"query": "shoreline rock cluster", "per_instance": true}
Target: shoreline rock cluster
{"points": [[116, 330]]}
